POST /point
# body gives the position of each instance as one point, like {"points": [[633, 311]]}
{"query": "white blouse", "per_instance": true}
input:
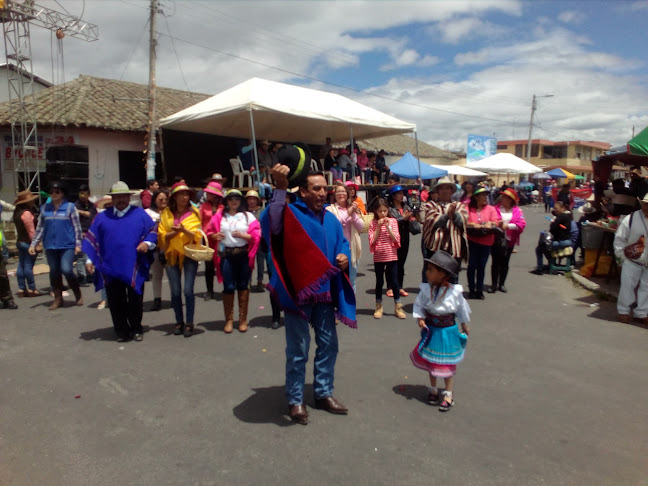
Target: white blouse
{"points": [[238, 222], [452, 303], [155, 216]]}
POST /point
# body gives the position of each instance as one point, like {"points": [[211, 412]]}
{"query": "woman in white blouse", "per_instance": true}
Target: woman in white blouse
{"points": [[159, 201], [238, 234]]}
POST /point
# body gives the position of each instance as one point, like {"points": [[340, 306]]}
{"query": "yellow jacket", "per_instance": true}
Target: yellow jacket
{"points": [[174, 250]]}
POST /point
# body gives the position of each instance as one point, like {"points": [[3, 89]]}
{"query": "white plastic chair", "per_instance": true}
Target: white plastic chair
{"points": [[239, 174], [328, 175]]}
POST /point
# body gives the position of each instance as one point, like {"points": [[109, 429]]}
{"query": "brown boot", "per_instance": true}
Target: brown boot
{"points": [[74, 285], [57, 290], [378, 313], [243, 299], [399, 312], [228, 303]]}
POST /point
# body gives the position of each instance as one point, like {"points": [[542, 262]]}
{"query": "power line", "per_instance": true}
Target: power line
{"points": [[175, 52], [130, 54], [305, 76]]}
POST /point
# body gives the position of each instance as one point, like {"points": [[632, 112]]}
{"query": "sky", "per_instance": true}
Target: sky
{"points": [[451, 67]]}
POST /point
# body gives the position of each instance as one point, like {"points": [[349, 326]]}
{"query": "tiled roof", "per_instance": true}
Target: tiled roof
{"points": [[399, 144], [93, 102]]}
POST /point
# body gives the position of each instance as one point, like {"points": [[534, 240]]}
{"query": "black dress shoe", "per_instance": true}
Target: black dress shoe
{"points": [[331, 405], [492, 289], [472, 295], [298, 414], [157, 305], [537, 271], [502, 289], [138, 337], [10, 304], [480, 296]]}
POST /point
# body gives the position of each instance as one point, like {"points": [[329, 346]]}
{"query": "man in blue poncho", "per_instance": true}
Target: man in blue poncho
{"points": [[117, 244], [311, 283]]}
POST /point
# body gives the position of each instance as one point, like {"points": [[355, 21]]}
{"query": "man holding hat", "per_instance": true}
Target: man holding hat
{"points": [[311, 259], [117, 244], [444, 227], [630, 249]]}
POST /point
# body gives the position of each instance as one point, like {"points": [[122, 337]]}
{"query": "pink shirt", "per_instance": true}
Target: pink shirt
{"points": [[384, 248], [28, 220], [347, 221], [488, 213]]}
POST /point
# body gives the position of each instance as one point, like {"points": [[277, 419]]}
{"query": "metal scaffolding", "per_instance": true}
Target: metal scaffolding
{"points": [[16, 18]]}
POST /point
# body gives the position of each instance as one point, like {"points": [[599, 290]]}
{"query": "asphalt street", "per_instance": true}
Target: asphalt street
{"points": [[552, 391]]}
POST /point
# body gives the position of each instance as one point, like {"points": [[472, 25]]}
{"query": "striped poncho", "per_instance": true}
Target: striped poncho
{"points": [[441, 233]]}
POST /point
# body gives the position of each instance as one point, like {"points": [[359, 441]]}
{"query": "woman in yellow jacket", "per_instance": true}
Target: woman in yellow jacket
{"points": [[179, 226]]}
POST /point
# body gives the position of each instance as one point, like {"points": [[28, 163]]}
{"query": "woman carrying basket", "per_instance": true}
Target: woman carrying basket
{"points": [[238, 234], [180, 226]]}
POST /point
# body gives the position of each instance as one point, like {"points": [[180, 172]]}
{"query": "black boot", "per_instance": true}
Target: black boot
{"points": [[157, 305], [9, 304]]}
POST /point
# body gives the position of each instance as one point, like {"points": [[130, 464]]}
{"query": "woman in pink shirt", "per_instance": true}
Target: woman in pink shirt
{"points": [[483, 220], [349, 215], [24, 220]]}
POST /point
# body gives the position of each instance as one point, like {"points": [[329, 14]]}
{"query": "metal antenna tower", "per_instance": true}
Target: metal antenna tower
{"points": [[16, 18]]}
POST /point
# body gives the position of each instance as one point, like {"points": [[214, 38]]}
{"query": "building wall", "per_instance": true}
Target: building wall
{"points": [[577, 155]]}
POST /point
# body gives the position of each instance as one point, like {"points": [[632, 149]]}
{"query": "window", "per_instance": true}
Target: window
{"points": [[501, 146], [519, 150], [554, 152]]}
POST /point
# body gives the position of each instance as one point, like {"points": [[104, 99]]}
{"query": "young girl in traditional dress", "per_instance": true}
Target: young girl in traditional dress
{"points": [[439, 308], [384, 240]]}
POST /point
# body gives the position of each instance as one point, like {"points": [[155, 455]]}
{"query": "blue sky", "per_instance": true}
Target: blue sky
{"points": [[451, 67]]}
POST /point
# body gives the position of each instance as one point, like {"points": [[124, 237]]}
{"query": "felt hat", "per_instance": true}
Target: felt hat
{"points": [[214, 188], [442, 182], [180, 187], [444, 261], [351, 184], [587, 208], [253, 193], [512, 193], [481, 190], [644, 200], [24, 197], [297, 157], [233, 193], [394, 189], [120, 187], [217, 177]]}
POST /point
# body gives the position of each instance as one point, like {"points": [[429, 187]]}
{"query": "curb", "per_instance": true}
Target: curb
{"points": [[593, 286]]}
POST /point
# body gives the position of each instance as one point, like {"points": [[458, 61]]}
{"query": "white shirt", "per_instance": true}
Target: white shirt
{"points": [[238, 222], [625, 235], [506, 217], [452, 302], [155, 216]]}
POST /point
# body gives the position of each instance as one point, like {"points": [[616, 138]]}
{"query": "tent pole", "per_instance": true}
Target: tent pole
{"points": [[256, 154], [418, 158], [355, 160]]}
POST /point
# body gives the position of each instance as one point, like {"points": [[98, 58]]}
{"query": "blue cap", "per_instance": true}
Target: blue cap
{"points": [[394, 189]]}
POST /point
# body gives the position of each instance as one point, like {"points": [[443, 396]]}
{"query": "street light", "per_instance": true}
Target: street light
{"points": [[533, 109]]}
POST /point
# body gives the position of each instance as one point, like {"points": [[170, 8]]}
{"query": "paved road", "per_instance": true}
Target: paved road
{"points": [[552, 391]]}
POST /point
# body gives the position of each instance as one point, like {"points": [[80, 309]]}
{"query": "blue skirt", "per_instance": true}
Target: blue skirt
{"points": [[440, 345]]}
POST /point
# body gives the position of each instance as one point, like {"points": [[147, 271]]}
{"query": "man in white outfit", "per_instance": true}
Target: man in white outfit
{"points": [[634, 269]]}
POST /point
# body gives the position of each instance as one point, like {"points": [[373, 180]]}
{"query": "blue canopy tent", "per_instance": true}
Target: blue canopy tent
{"points": [[408, 166]]}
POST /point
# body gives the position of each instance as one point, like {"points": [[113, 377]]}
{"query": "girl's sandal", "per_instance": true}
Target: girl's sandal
{"points": [[433, 398], [446, 403]]}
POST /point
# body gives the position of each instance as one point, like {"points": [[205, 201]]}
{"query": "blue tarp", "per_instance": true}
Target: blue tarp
{"points": [[408, 167]]}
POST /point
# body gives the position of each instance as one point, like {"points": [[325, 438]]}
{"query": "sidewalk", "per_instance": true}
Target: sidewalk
{"points": [[608, 291]]}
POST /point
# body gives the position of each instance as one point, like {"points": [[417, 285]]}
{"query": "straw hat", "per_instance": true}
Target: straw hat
{"points": [[512, 193], [180, 187], [214, 188], [481, 190], [587, 208], [442, 182], [233, 193], [253, 193], [24, 197], [120, 187]]}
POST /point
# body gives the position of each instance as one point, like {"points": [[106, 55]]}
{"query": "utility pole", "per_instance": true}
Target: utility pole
{"points": [[152, 122], [533, 109]]}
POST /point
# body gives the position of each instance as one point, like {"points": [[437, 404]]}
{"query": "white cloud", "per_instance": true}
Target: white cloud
{"points": [[570, 17]]}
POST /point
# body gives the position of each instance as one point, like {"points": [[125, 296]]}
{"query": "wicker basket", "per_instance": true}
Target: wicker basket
{"points": [[200, 253]]}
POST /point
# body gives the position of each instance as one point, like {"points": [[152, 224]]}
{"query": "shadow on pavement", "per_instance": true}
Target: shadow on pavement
{"points": [[416, 392], [266, 406], [103, 334]]}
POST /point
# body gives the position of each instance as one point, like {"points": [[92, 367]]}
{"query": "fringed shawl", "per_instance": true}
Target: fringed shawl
{"points": [[304, 257], [174, 250], [447, 238], [356, 242], [111, 245]]}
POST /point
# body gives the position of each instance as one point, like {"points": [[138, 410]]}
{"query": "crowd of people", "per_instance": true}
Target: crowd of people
{"points": [[311, 240]]}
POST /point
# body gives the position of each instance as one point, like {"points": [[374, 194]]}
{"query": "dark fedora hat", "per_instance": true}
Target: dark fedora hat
{"points": [[57, 185], [298, 159], [444, 261]]}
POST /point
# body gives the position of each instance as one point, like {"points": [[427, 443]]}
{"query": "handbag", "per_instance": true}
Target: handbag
{"points": [[500, 239], [415, 227]]}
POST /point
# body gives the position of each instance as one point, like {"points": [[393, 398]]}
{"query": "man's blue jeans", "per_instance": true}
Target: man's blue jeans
{"points": [[555, 245], [25, 270], [60, 262], [174, 273], [322, 317]]}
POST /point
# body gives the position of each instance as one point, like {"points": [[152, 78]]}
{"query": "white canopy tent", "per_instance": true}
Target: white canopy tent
{"points": [[505, 163], [261, 109], [460, 170]]}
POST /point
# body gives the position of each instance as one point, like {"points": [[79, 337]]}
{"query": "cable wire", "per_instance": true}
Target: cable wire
{"points": [[130, 54], [175, 51]]}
